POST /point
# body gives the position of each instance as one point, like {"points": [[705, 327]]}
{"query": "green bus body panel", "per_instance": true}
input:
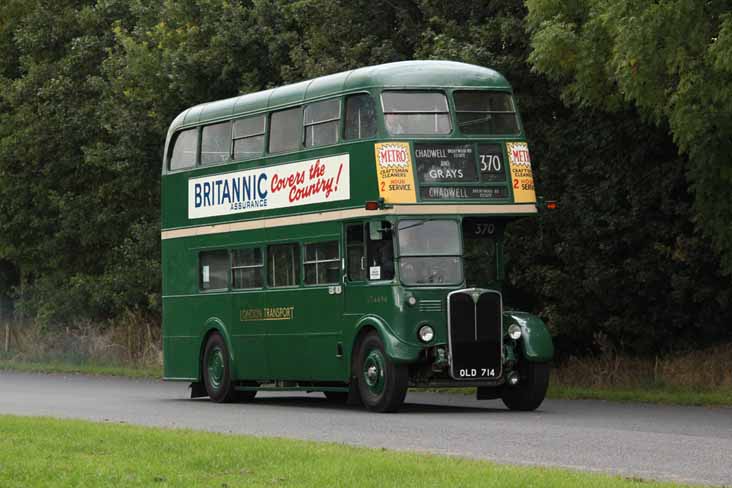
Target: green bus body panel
{"points": [[535, 338]]}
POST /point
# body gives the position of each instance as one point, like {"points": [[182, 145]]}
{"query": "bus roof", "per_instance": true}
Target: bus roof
{"points": [[403, 74]]}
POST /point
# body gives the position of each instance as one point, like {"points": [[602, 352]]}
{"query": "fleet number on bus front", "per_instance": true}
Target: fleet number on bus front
{"points": [[473, 372]]}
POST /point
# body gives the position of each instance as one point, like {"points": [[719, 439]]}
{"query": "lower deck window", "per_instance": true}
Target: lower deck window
{"points": [[322, 263], [283, 265], [247, 268], [214, 270]]}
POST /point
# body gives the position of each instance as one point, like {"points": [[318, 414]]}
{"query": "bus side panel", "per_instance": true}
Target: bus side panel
{"points": [[249, 336], [192, 318], [305, 325], [186, 311], [180, 338]]}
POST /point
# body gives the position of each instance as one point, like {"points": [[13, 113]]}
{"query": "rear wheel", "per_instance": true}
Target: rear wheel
{"points": [[382, 383], [217, 373], [528, 394]]}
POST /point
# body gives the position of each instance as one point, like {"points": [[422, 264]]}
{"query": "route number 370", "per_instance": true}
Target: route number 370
{"points": [[490, 163], [484, 229]]}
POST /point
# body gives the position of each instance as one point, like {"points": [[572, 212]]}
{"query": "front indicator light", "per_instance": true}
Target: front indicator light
{"points": [[426, 333], [514, 332]]}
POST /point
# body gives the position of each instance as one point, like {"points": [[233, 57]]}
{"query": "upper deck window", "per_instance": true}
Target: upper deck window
{"points": [[284, 130], [216, 143], [248, 137], [321, 123], [485, 112], [360, 117], [415, 112], [184, 149]]}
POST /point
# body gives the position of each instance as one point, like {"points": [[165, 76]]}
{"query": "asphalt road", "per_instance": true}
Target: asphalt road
{"points": [[683, 444]]}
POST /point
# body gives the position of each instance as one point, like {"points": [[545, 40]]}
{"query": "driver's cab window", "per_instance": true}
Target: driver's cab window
{"points": [[480, 251], [370, 251]]}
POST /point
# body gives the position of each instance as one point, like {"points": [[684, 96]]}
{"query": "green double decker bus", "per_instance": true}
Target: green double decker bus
{"points": [[345, 235]]}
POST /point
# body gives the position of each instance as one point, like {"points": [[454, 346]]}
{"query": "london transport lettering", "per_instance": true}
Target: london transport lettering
{"points": [[266, 313], [286, 185]]}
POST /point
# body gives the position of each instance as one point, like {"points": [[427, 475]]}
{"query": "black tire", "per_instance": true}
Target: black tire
{"points": [[528, 394], [217, 371], [336, 396], [382, 383]]}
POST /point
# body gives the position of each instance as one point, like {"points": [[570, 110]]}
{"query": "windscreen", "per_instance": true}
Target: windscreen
{"points": [[415, 112], [480, 251], [429, 252], [428, 237], [485, 112]]}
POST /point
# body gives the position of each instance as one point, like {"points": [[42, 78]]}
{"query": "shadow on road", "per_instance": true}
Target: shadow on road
{"points": [[315, 402]]}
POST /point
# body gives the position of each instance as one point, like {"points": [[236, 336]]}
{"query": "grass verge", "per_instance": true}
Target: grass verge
{"points": [[42, 452], [665, 395], [90, 369]]}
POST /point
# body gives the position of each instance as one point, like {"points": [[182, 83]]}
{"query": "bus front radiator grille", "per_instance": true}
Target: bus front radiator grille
{"points": [[475, 332], [430, 305]]}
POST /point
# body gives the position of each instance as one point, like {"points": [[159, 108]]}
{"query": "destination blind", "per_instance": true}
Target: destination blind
{"points": [[454, 164]]}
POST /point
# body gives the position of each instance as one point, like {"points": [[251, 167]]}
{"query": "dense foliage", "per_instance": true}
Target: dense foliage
{"points": [[633, 259]]}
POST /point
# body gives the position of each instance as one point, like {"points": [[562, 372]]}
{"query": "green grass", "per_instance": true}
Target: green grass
{"points": [[85, 368], [665, 395], [42, 452]]}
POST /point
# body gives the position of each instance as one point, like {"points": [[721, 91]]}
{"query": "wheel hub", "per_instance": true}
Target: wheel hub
{"points": [[216, 368], [373, 371]]}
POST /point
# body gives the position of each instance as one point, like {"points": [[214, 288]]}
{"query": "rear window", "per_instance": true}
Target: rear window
{"points": [[485, 112], [184, 150], [415, 112]]}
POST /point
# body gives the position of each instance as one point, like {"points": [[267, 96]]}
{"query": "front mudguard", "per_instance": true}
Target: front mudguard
{"points": [[396, 349], [536, 342]]}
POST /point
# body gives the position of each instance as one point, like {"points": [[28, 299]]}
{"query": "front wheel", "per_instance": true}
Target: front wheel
{"points": [[382, 383], [528, 394]]}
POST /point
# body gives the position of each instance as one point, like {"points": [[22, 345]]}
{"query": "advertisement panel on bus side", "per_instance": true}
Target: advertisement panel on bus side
{"points": [[286, 185]]}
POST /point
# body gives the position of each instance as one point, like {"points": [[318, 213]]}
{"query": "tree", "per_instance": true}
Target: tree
{"points": [[673, 61]]}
